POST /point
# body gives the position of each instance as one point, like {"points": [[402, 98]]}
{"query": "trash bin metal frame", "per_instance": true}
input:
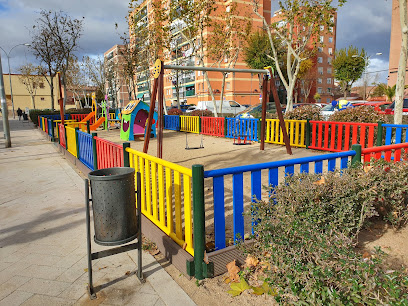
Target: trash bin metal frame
{"points": [[117, 250]]}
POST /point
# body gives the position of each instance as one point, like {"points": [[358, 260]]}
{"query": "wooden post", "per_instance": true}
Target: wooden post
{"points": [[160, 105], [263, 117], [150, 118], [61, 100], [274, 92]]}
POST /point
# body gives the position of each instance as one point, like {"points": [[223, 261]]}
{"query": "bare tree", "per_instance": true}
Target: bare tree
{"points": [[95, 71], [29, 76], [54, 40], [399, 95], [299, 28]]}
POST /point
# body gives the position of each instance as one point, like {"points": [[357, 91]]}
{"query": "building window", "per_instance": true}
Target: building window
{"points": [[320, 70], [228, 86], [321, 39], [329, 90], [277, 83], [330, 39], [329, 60], [41, 85], [329, 70], [42, 99], [321, 28], [331, 29], [320, 59], [319, 80], [330, 51], [328, 80], [320, 49], [319, 90]]}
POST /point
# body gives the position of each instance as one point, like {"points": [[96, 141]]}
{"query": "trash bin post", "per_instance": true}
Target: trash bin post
{"points": [[91, 292]]}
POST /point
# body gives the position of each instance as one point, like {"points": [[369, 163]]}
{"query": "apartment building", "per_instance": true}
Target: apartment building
{"points": [[22, 98], [240, 87], [116, 86], [395, 46], [320, 77]]}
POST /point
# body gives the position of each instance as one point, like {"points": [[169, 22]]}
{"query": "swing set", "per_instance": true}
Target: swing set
{"points": [[158, 91]]}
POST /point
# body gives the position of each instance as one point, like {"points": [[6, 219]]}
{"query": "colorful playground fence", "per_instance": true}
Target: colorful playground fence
{"points": [[213, 126], [71, 140], [242, 127], [61, 135], [395, 133], [190, 124], [172, 122], [109, 154], [166, 196], [218, 177], [78, 117], [85, 154], [395, 152], [296, 130], [339, 136]]}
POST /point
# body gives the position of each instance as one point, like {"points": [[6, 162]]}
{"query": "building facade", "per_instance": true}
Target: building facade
{"points": [[116, 86], [395, 46], [22, 98], [192, 86]]}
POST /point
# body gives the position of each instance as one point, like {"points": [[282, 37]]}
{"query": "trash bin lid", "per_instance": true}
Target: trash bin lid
{"points": [[109, 174]]}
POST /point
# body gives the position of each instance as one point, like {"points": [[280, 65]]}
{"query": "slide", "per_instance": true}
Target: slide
{"points": [[88, 117], [94, 126]]}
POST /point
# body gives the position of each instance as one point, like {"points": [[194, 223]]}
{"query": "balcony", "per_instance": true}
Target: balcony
{"points": [[190, 93]]}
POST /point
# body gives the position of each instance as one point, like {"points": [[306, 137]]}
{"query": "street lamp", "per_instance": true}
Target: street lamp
{"points": [[8, 61], [365, 58]]}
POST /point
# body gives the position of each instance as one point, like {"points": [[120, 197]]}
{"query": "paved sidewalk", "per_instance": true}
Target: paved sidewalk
{"points": [[43, 237]]}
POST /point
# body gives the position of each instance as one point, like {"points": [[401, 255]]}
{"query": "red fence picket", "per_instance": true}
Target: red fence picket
{"points": [[388, 153], [109, 154], [61, 134], [339, 136], [212, 126]]}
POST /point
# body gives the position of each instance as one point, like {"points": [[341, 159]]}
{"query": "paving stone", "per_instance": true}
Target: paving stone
{"points": [[144, 299], [42, 300], [44, 286], [11, 271], [11, 285], [45, 272], [16, 298], [74, 292]]}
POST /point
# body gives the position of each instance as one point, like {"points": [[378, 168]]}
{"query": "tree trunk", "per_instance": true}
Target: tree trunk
{"points": [[399, 92], [222, 91], [211, 92], [33, 101], [65, 91], [52, 92]]}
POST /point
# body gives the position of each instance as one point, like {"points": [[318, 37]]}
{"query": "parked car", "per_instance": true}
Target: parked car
{"points": [[390, 110], [256, 110], [191, 108], [379, 106], [228, 106], [182, 107]]}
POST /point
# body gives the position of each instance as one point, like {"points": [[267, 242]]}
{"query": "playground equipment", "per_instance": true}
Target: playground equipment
{"points": [[193, 148], [158, 89], [134, 119]]}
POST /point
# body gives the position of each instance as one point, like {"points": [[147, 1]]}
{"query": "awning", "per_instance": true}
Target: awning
{"points": [[139, 96]]}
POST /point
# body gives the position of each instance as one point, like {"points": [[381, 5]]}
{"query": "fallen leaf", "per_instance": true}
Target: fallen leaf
{"points": [[233, 271], [127, 273], [227, 280], [322, 181], [85, 270], [184, 245], [264, 289], [251, 261], [366, 255], [238, 288], [265, 265], [367, 168]]}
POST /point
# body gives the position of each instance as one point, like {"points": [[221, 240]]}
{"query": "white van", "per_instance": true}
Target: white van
{"points": [[228, 106]]}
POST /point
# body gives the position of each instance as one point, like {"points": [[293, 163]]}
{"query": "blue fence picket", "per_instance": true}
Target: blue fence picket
{"points": [[394, 133], [85, 154], [50, 127], [172, 122], [256, 186], [241, 127]]}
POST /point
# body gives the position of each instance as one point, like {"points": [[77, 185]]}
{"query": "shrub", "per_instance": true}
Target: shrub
{"points": [[34, 113], [305, 112], [201, 113], [364, 114], [82, 111], [175, 111], [305, 237]]}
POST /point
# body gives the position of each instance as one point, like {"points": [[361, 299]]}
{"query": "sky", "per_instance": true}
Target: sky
{"points": [[361, 23]]}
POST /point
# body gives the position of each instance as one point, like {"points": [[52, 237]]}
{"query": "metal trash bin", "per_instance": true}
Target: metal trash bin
{"points": [[114, 205]]}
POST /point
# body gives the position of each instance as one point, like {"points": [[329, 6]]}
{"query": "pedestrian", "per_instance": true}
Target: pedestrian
{"points": [[19, 113]]}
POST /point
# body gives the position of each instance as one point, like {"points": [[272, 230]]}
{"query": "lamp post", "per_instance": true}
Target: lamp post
{"points": [[365, 58], [8, 62], [6, 127]]}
